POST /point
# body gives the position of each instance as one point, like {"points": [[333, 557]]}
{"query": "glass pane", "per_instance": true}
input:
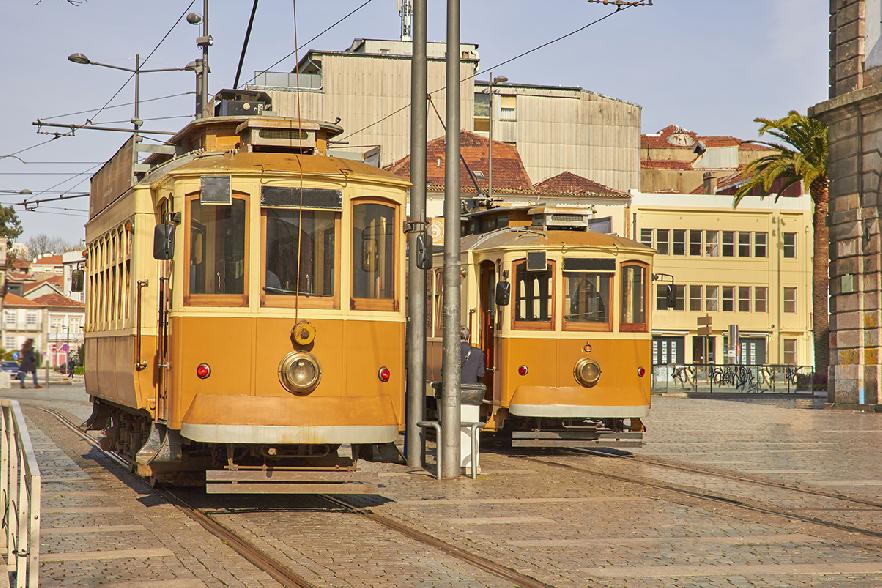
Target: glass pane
{"points": [[482, 105], [217, 248], [712, 243], [533, 294], [646, 237], [633, 295], [744, 298], [316, 237], [694, 242], [694, 297], [760, 295], [587, 297], [728, 244], [790, 245], [711, 298], [679, 242], [373, 251], [728, 298], [662, 240], [759, 244], [743, 244]]}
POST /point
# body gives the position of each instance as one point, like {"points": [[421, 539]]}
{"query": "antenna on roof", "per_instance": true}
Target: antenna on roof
{"points": [[405, 9]]}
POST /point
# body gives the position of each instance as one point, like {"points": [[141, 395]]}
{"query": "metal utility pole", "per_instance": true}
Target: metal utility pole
{"points": [[416, 278], [450, 369], [204, 42], [136, 120], [493, 80]]}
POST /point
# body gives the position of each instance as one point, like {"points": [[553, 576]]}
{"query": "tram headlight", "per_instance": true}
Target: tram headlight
{"points": [[299, 372], [587, 372]]}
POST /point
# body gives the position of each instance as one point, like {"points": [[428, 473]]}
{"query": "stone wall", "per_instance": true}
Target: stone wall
{"points": [[854, 116]]}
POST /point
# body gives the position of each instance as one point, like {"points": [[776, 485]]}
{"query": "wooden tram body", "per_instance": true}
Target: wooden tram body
{"points": [[231, 357], [582, 304]]}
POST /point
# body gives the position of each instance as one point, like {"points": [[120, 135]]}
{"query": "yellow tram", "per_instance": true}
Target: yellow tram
{"points": [[245, 305], [561, 314]]}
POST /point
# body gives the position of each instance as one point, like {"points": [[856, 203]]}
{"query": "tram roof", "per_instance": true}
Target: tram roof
{"points": [[286, 163], [517, 237]]}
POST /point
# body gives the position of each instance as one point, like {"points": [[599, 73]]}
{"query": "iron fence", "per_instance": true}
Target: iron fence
{"points": [[20, 484], [709, 378]]}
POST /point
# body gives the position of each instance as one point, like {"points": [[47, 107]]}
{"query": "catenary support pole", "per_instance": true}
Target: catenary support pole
{"points": [[450, 369], [416, 278], [204, 42]]}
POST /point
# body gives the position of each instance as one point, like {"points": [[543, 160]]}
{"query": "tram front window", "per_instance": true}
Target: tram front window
{"points": [[633, 298], [587, 298], [217, 248], [373, 253], [313, 244], [533, 297]]}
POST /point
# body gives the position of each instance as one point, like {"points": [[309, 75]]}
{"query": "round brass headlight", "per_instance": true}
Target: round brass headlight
{"points": [[587, 372], [299, 372]]}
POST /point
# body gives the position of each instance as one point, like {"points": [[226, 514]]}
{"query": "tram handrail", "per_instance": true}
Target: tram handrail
{"points": [[139, 365], [20, 484]]}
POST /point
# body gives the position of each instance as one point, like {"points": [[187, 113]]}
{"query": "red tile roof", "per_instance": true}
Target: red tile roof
{"points": [[570, 184], [58, 301], [660, 140], [15, 300], [509, 173], [55, 280], [21, 264], [49, 260]]}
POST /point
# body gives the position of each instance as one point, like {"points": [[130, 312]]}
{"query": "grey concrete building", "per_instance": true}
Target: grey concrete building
{"points": [[854, 115]]}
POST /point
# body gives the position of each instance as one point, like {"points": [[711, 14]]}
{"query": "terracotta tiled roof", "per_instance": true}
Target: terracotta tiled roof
{"points": [[54, 280], [21, 264], [15, 300], [49, 260], [509, 173], [570, 184], [58, 301], [660, 140]]}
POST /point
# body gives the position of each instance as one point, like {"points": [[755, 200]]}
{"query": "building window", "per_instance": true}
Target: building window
{"points": [[31, 319], [728, 298], [744, 299], [790, 351], [646, 237], [662, 240], [760, 243], [508, 107], [712, 243], [482, 112], [760, 297], [679, 247], [789, 245], [678, 297], [743, 244], [789, 299], [10, 318], [667, 350], [695, 242], [701, 344], [695, 298], [711, 298], [873, 38], [9, 343], [728, 244]]}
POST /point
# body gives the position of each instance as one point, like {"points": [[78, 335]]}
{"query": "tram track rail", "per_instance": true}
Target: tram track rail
{"points": [[278, 570], [710, 496]]}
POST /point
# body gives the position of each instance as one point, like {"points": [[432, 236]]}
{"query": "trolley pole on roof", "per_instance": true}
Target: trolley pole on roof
{"points": [[416, 277], [451, 395]]}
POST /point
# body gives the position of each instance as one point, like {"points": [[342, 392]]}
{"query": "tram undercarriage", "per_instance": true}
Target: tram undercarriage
{"points": [[163, 456], [534, 432]]}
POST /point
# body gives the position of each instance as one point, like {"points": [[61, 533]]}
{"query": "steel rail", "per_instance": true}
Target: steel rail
{"points": [[718, 498], [259, 559], [517, 578]]}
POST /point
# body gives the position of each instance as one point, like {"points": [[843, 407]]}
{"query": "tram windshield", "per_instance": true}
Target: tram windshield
{"points": [[217, 248], [300, 252], [587, 297], [373, 251]]}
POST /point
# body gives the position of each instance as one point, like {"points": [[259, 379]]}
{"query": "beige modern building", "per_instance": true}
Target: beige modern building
{"points": [[555, 129], [748, 266]]}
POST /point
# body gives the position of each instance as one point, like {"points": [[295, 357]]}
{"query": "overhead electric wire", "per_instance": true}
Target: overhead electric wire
{"points": [[14, 154], [245, 43], [145, 60], [120, 105], [296, 49], [492, 67]]}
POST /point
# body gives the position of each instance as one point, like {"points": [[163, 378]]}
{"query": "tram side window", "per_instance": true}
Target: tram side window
{"points": [[373, 252], [217, 248], [308, 236], [586, 299], [534, 297], [633, 298]]}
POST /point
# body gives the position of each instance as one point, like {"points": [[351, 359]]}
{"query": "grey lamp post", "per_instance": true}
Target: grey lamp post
{"points": [[493, 80], [136, 120]]}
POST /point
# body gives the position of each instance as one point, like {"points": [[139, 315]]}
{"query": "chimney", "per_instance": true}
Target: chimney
{"points": [[710, 183]]}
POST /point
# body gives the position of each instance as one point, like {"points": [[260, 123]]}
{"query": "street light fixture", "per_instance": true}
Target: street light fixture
{"points": [[493, 81]]}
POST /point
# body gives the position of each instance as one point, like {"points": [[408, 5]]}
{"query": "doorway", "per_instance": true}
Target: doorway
{"points": [[487, 315]]}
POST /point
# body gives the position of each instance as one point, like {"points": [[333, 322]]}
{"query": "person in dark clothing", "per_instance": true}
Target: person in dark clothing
{"points": [[471, 360], [28, 363]]}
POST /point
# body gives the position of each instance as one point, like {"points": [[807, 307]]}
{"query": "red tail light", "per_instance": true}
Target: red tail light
{"points": [[203, 370], [641, 372], [523, 370], [384, 374]]}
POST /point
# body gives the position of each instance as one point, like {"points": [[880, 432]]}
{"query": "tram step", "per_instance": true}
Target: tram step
{"points": [[574, 443], [289, 482], [585, 434]]}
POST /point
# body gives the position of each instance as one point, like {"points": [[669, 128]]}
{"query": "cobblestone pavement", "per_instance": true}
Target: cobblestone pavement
{"points": [[562, 518]]}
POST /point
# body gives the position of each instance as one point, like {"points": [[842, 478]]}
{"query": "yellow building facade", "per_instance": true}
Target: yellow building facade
{"points": [[748, 266]]}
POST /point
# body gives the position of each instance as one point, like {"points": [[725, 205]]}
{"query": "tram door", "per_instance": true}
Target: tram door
{"points": [[487, 291]]}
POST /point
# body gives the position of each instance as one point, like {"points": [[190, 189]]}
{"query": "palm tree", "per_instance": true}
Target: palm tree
{"points": [[800, 156]]}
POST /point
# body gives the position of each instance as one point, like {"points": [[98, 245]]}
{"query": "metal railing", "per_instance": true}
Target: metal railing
{"points": [[20, 483], [709, 378]]}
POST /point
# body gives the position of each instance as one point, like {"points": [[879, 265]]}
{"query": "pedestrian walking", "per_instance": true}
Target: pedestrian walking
{"points": [[28, 364]]}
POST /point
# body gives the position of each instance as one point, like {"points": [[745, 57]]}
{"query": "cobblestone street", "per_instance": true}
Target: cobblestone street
{"points": [[724, 493]]}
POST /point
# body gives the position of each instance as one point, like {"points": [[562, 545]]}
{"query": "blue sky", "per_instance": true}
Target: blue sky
{"points": [[709, 65]]}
